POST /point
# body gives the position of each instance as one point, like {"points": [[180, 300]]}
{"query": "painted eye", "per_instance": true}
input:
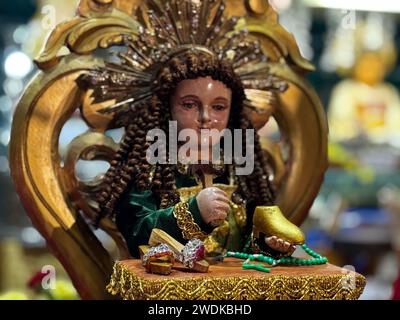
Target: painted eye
{"points": [[189, 105], [219, 107]]}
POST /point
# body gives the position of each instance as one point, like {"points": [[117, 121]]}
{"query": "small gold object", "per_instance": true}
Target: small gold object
{"points": [[190, 229], [271, 222]]}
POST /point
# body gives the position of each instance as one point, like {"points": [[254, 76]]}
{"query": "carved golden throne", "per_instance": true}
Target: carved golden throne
{"points": [[59, 203]]}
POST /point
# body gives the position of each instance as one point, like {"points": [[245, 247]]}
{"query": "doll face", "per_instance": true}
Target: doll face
{"points": [[201, 103], [370, 69]]}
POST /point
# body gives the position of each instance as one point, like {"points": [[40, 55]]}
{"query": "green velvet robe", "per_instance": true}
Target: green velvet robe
{"points": [[138, 214]]}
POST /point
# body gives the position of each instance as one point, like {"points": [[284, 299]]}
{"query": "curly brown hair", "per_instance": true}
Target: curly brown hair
{"points": [[130, 167]]}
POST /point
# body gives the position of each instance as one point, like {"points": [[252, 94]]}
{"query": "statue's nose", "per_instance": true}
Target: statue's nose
{"points": [[205, 115]]}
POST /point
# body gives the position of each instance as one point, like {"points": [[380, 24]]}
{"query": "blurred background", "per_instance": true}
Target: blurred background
{"points": [[355, 220]]}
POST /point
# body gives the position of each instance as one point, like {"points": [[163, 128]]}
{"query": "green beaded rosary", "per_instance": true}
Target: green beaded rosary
{"points": [[317, 259]]}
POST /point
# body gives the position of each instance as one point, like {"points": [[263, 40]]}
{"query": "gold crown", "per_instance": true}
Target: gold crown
{"points": [[172, 28]]}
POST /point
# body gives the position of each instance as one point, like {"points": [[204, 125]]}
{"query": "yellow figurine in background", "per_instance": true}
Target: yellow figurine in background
{"points": [[365, 106]]}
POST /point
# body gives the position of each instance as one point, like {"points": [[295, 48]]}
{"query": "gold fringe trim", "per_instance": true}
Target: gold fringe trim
{"points": [[131, 287]]}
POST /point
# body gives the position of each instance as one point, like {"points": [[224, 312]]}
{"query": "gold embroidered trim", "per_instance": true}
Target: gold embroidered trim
{"points": [[190, 229], [318, 287]]}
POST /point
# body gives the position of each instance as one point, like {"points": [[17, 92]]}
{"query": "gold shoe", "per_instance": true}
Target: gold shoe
{"points": [[271, 222]]}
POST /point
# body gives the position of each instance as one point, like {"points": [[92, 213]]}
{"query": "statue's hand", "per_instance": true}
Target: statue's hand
{"points": [[213, 205], [280, 245]]}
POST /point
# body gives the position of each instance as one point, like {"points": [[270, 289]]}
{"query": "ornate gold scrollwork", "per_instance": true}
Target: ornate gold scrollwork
{"points": [[84, 34], [90, 146]]}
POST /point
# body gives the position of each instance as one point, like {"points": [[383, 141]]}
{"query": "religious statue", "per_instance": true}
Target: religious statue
{"points": [[195, 76], [191, 83]]}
